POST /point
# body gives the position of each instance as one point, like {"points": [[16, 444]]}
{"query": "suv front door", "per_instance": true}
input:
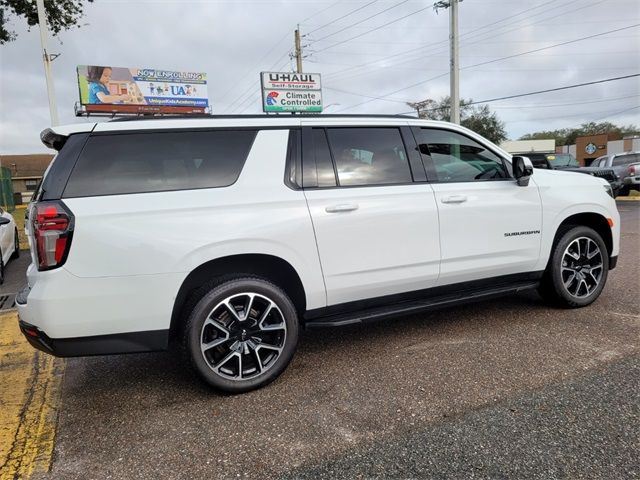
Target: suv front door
{"points": [[376, 228], [489, 226]]}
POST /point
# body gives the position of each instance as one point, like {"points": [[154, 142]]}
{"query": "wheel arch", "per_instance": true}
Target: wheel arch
{"points": [[271, 267], [596, 221]]}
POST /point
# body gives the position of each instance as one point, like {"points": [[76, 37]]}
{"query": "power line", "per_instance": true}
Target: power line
{"points": [[551, 46], [372, 30], [361, 21], [233, 87], [508, 57], [382, 97], [252, 96], [557, 89], [551, 105], [241, 98], [512, 27], [507, 18], [320, 11], [608, 114], [444, 41], [463, 41], [366, 96], [617, 113], [340, 18]]}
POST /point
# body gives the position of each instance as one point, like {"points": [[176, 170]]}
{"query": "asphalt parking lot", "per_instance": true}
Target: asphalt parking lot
{"points": [[508, 388]]}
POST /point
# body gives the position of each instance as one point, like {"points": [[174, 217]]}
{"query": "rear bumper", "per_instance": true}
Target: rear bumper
{"points": [[130, 342], [127, 342], [631, 180], [66, 306]]}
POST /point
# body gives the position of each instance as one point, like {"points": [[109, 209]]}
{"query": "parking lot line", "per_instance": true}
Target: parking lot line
{"points": [[29, 403]]}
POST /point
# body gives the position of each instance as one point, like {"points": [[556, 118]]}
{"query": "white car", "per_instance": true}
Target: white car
{"points": [[9, 241], [226, 235]]}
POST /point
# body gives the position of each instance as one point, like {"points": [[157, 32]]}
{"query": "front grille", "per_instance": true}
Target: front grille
{"points": [[606, 174]]}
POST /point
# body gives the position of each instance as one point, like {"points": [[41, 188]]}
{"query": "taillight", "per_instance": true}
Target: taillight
{"points": [[632, 170], [52, 232]]}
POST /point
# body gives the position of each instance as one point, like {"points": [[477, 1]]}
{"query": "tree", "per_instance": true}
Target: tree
{"points": [[480, 119], [61, 15], [567, 136]]}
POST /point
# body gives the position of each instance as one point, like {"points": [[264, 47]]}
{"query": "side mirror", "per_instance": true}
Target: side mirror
{"points": [[4, 220], [522, 170]]}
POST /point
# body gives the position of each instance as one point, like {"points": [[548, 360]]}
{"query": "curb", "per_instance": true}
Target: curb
{"points": [[628, 199]]}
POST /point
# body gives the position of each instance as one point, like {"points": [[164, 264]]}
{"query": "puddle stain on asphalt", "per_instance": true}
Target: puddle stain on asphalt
{"points": [[30, 385]]}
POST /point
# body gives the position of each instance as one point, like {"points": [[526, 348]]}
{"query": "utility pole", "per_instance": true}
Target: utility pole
{"points": [[454, 75], [47, 59], [455, 67], [298, 50]]}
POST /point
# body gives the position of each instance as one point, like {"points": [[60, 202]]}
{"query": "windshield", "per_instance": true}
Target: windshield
{"points": [[562, 160]]}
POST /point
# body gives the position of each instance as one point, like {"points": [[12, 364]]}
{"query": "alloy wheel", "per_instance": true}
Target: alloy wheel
{"points": [[582, 267], [243, 336]]}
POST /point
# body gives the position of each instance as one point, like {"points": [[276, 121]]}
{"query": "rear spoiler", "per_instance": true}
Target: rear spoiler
{"points": [[52, 139]]}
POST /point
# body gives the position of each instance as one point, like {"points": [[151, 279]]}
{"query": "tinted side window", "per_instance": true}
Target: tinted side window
{"points": [[324, 165], [159, 161], [369, 156], [457, 158]]}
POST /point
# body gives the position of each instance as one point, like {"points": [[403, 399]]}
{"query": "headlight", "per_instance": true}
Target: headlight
{"points": [[609, 190]]}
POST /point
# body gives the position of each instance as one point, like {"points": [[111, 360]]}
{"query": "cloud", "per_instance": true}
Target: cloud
{"points": [[234, 40]]}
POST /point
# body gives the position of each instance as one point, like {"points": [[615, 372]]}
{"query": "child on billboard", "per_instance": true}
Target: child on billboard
{"points": [[98, 78]]}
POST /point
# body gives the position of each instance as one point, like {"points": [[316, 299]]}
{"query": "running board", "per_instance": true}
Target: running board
{"points": [[407, 308]]}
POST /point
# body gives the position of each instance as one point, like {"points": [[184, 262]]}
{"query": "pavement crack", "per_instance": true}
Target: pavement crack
{"points": [[35, 369]]}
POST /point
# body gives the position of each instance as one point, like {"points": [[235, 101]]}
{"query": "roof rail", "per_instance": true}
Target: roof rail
{"points": [[221, 117]]}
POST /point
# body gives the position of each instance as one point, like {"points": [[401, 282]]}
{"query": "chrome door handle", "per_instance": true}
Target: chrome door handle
{"points": [[454, 199], [345, 207]]}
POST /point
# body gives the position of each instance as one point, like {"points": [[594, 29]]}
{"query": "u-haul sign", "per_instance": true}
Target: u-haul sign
{"points": [[291, 92]]}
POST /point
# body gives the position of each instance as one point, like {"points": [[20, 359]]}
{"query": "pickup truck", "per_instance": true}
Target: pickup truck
{"points": [[626, 165], [567, 163]]}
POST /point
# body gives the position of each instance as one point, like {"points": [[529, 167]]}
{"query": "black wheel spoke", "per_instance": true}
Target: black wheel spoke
{"points": [[582, 268], [243, 336]]}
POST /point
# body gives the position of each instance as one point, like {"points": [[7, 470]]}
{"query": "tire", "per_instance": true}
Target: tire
{"points": [[238, 352], [16, 241], [623, 192], [577, 269], [1, 269]]}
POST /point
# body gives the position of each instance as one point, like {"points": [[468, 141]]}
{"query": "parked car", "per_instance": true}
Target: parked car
{"points": [[227, 235], [568, 163], [625, 166], [9, 241]]}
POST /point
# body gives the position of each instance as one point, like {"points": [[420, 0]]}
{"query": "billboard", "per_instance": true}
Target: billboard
{"points": [[131, 90], [291, 92]]}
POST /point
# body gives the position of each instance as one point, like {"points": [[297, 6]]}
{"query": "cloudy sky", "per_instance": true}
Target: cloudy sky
{"points": [[373, 55]]}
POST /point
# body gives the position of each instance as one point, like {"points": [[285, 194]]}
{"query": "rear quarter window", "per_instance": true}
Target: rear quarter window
{"points": [[142, 162], [625, 159]]}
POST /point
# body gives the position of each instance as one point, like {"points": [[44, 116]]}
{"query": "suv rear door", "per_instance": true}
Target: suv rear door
{"points": [[489, 226], [375, 218]]}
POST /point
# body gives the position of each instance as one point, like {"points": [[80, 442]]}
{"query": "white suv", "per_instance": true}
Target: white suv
{"points": [[226, 235]]}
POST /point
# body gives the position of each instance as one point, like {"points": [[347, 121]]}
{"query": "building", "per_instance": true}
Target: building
{"points": [[586, 149], [530, 146], [590, 147], [26, 173]]}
